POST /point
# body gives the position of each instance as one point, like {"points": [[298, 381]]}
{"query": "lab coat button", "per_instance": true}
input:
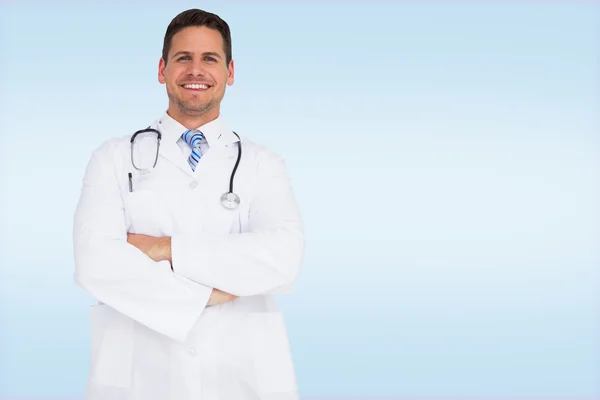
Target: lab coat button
{"points": [[193, 185], [192, 352]]}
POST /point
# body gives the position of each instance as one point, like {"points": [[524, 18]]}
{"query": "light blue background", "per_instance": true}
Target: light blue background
{"points": [[445, 157]]}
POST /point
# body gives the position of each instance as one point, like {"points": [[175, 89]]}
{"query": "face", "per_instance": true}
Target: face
{"points": [[196, 73]]}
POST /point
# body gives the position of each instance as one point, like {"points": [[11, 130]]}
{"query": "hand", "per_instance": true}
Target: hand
{"points": [[219, 297], [157, 248]]}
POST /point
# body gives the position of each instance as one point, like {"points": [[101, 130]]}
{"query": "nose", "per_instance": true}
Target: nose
{"points": [[196, 68]]}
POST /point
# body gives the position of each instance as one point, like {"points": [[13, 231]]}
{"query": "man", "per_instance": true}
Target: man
{"points": [[185, 285]]}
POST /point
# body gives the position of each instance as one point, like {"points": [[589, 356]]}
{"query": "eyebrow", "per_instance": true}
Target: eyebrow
{"points": [[189, 53]]}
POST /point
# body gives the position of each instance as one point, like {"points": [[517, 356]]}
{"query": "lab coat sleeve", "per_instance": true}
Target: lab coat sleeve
{"points": [[117, 273], [265, 259]]}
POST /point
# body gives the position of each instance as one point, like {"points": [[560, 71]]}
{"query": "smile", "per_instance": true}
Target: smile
{"points": [[195, 86]]}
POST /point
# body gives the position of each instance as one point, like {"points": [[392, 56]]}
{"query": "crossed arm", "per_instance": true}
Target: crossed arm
{"points": [[159, 281], [159, 249]]}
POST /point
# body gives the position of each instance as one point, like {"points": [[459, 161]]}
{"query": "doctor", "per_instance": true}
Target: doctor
{"points": [[186, 286]]}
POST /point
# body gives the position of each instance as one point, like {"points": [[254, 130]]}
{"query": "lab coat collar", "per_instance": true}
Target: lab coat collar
{"points": [[216, 132]]}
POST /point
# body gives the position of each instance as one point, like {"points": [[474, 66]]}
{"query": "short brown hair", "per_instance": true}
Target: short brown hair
{"points": [[196, 17]]}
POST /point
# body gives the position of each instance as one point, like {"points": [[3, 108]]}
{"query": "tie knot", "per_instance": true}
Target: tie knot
{"points": [[193, 138]]}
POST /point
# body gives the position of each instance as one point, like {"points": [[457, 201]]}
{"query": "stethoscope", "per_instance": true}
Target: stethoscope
{"points": [[229, 199]]}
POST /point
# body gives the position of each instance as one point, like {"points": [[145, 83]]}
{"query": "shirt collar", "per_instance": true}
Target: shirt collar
{"points": [[215, 131]]}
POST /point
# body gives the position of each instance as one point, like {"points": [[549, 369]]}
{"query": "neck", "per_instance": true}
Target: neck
{"points": [[193, 121]]}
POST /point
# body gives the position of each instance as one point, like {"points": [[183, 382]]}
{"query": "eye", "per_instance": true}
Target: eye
{"points": [[184, 58], [211, 59]]}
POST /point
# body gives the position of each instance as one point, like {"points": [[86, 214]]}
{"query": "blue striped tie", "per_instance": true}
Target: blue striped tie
{"points": [[193, 138]]}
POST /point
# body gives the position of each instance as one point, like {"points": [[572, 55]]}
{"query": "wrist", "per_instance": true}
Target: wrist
{"points": [[164, 249]]}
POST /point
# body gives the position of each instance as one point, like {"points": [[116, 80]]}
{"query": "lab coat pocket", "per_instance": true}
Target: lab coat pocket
{"points": [[272, 360], [111, 346]]}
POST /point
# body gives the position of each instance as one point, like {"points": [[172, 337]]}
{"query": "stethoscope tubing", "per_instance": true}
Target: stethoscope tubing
{"points": [[159, 137]]}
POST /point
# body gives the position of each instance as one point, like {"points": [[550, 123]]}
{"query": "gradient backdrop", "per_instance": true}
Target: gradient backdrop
{"points": [[445, 156]]}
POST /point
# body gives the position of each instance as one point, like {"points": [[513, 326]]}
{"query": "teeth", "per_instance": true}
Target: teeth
{"points": [[195, 86]]}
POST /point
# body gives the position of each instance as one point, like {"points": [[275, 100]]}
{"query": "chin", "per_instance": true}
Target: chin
{"points": [[196, 109]]}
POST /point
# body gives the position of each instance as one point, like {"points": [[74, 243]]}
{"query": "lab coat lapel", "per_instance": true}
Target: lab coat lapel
{"points": [[170, 151], [218, 154], [207, 161]]}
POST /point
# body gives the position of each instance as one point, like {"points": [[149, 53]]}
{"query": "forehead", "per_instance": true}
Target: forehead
{"points": [[197, 39]]}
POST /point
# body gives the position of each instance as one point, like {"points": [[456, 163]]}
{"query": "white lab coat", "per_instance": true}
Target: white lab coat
{"points": [[153, 338]]}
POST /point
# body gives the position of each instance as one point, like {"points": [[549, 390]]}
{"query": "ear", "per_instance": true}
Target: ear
{"points": [[230, 74], [161, 71]]}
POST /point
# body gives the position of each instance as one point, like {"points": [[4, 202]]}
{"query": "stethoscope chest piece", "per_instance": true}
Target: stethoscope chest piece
{"points": [[230, 200]]}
